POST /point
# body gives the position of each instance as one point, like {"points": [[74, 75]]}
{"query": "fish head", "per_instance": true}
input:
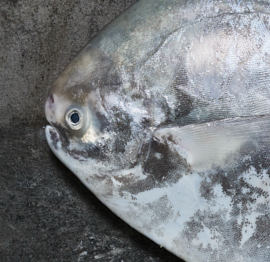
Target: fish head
{"points": [[83, 130]]}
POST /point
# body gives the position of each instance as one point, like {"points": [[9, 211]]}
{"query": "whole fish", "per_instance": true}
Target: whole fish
{"points": [[165, 117]]}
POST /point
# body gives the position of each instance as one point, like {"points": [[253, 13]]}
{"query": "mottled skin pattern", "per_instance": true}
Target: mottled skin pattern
{"points": [[175, 130]]}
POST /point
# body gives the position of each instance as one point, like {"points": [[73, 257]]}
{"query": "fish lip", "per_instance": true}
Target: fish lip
{"points": [[46, 111], [49, 110], [48, 129]]}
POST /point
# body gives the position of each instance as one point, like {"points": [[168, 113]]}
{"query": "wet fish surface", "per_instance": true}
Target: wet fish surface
{"points": [[165, 117]]}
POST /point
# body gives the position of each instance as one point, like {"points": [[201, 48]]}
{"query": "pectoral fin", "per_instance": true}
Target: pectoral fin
{"points": [[213, 143]]}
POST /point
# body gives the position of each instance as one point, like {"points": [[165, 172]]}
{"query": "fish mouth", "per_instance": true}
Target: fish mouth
{"points": [[53, 138], [55, 143], [51, 133]]}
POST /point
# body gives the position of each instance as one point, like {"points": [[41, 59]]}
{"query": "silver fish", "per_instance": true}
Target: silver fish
{"points": [[165, 117]]}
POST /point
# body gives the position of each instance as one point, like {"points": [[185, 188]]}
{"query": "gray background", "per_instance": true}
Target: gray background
{"points": [[46, 214]]}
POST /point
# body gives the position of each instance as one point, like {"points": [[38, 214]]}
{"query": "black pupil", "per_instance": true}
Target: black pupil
{"points": [[75, 118]]}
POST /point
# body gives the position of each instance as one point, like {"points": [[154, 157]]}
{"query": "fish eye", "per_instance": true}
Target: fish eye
{"points": [[74, 119]]}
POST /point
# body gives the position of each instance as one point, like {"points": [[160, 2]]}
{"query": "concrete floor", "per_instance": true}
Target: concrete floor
{"points": [[46, 214]]}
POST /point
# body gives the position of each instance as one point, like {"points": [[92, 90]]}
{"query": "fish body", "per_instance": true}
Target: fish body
{"points": [[165, 117]]}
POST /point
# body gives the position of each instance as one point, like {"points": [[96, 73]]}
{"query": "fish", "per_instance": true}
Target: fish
{"points": [[165, 116]]}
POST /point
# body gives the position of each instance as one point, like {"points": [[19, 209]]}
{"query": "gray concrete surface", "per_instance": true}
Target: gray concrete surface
{"points": [[46, 214]]}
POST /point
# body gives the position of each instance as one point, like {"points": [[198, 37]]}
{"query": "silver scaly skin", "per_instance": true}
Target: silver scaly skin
{"points": [[165, 117]]}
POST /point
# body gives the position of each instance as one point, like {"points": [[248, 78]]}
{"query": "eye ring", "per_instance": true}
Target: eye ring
{"points": [[74, 119]]}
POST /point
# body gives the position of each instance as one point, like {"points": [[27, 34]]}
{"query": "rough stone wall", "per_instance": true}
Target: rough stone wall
{"points": [[46, 214]]}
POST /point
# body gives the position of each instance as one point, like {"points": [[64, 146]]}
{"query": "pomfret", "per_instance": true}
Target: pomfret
{"points": [[165, 117]]}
